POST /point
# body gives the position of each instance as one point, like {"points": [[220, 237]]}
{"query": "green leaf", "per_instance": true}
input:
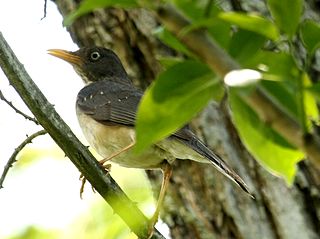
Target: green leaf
{"points": [[286, 14], [286, 85], [168, 61], [310, 103], [87, 6], [283, 81], [244, 45], [196, 10], [172, 41], [315, 90], [267, 146], [218, 29], [282, 95], [203, 14], [276, 66], [310, 33], [251, 22], [173, 99]]}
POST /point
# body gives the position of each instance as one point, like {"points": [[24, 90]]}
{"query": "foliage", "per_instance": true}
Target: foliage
{"points": [[265, 44], [189, 90], [33, 232], [98, 220]]}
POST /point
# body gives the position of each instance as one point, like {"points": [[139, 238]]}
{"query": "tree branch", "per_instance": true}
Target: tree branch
{"points": [[17, 110], [66, 140], [221, 63], [44, 10], [13, 157]]}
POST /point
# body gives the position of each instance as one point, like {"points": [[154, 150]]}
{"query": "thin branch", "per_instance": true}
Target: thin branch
{"points": [[221, 63], [17, 110], [44, 9], [73, 148], [13, 157]]}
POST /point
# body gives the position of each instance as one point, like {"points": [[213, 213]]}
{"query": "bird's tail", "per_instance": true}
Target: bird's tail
{"points": [[219, 164]]}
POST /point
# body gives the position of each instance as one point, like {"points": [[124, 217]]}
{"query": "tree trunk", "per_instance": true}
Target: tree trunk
{"points": [[202, 203]]}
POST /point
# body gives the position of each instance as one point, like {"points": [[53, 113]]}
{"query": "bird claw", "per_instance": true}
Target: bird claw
{"points": [[107, 168]]}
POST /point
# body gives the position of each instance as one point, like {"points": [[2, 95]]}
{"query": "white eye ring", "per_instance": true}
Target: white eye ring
{"points": [[95, 55]]}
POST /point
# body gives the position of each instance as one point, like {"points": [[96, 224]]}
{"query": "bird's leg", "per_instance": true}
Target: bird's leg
{"points": [[117, 153], [107, 166], [166, 171]]}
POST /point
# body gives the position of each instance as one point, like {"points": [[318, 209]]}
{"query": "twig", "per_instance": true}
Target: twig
{"points": [[13, 157], [17, 110], [44, 10], [73, 148], [221, 63]]}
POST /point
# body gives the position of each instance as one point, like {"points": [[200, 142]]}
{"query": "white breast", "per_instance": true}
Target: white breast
{"points": [[107, 140]]}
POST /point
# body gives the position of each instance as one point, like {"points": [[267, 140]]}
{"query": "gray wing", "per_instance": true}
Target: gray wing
{"points": [[110, 102]]}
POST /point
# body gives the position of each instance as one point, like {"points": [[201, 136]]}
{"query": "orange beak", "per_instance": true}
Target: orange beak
{"points": [[66, 56]]}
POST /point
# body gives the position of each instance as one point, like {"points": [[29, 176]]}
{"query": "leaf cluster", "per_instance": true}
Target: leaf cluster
{"points": [[267, 44]]}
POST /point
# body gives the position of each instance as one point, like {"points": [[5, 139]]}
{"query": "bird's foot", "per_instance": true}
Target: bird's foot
{"points": [[107, 168]]}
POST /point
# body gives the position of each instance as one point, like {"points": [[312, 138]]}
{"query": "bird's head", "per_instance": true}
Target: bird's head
{"points": [[94, 63]]}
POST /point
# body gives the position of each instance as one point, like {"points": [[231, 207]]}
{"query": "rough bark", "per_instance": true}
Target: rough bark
{"points": [[200, 202]]}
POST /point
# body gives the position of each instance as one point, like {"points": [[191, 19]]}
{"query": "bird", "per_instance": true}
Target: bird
{"points": [[106, 109]]}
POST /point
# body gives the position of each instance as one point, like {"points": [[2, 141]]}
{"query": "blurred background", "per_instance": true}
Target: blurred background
{"points": [[40, 198]]}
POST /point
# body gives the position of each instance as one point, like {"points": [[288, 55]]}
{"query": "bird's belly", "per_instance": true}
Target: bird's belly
{"points": [[109, 139]]}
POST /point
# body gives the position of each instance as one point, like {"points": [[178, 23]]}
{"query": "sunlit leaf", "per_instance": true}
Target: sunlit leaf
{"points": [[251, 22], [286, 14], [87, 6], [310, 103], [310, 32], [267, 146], [276, 66], [173, 99], [315, 90]]}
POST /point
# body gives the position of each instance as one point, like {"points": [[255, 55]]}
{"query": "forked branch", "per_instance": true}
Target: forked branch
{"points": [[13, 157]]}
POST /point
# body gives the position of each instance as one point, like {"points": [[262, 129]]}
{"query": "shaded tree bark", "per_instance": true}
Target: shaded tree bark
{"points": [[201, 203]]}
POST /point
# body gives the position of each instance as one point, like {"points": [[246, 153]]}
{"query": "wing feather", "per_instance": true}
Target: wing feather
{"points": [[103, 102]]}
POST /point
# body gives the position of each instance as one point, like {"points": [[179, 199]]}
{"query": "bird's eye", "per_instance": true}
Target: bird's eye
{"points": [[95, 55]]}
